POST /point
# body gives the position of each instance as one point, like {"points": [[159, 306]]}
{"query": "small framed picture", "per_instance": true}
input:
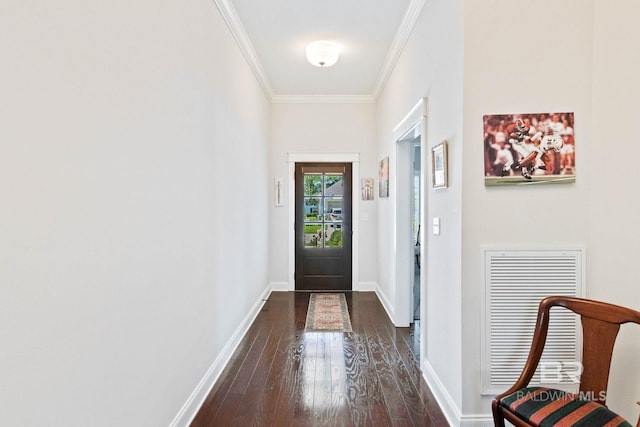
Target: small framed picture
{"points": [[383, 177], [439, 165], [278, 191], [367, 189]]}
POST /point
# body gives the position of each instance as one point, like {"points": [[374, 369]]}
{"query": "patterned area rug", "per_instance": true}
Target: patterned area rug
{"points": [[328, 313]]}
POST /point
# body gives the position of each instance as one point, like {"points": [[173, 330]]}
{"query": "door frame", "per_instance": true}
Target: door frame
{"points": [[337, 275], [354, 159], [416, 120]]}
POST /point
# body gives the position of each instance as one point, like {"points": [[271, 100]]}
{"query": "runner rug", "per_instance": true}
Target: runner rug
{"points": [[328, 313]]}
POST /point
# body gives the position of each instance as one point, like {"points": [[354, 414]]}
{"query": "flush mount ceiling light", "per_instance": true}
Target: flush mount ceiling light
{"points": [[323, 53]]}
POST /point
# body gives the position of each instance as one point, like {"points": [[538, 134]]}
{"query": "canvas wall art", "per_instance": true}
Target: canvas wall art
{"points": [[439, 162], [529, 149], [383, 177], [366, 189]]}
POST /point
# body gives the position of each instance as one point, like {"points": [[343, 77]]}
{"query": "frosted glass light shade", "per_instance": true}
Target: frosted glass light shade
{"points": [[323, 53]]}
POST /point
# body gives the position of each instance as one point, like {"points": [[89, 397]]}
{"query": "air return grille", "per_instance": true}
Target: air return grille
{"points": [[515, 282]]}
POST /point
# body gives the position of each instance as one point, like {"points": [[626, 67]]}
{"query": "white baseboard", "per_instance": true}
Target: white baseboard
{"points": [[385, 302], [444, 399], [361, 287], [191, 407], [280, 286], [449, 408], [367, 287], [478, 420]]}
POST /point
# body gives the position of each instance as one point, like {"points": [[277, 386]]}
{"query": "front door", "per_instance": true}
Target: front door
{"points": [[323, 226]]}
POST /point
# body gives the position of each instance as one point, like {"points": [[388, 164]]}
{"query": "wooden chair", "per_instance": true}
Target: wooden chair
{"points": [[523, 405]]}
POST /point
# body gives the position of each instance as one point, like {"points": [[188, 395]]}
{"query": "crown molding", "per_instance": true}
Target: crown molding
{"points": [[398, 44], [230, 15], [323, 99]]}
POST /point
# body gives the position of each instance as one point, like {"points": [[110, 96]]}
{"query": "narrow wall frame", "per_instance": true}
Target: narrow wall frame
{"points": [[439, 172]]}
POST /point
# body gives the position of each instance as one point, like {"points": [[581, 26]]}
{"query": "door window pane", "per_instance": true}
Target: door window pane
{"points": [[312, 209], [313, 184], [333, 209], [313, 235], [334, 185], [323, 210], [333, 233]]}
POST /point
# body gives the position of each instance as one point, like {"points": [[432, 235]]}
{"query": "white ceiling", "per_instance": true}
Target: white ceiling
{"points": [[273, 34]]}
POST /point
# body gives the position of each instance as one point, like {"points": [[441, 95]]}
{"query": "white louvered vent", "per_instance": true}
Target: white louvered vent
{"points": [[515, 283]]}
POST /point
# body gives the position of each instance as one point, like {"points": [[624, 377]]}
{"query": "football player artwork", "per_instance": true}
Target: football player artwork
{"points": [[528, 149]]}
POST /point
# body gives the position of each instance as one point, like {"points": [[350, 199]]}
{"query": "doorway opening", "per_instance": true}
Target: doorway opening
{"points": [[292, 158], [323, 231], [410, 262], [415, 217]]}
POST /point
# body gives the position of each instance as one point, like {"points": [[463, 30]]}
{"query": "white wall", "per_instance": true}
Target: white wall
{"points": [[559, 56], [431, 67], [133, 171], [556, 57], [508, 69], [614, 202], [322, 129]]}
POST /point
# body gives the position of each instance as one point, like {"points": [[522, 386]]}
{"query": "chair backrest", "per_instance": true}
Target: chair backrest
{"points": [[600, 325]]}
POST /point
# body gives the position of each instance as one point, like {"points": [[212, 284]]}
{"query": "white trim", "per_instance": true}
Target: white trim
{"points": [[324, 157], [323, 99], [403, 239], [398, 44], [417, 113], [279, 286], [477, 420], [354, 159], [291, 225], [388, 307], [355, 225], [368, 286], [191, 407], [445, 401], [402, 264], [230, 15]]}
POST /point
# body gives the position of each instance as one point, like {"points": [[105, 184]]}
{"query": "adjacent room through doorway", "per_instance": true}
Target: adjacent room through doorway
{"points": [[410, 200]]}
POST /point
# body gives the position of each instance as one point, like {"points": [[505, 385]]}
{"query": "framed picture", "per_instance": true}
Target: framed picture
{"points": [[529, 149], [383, 177], [439, 165], [366, 189], [278, 191]]}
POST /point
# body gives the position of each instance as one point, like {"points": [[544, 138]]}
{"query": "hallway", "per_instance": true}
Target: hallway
{"points": [[281, 376]]}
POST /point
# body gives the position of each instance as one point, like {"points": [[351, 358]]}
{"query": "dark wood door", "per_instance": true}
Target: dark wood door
{"points": [[323, 226]]}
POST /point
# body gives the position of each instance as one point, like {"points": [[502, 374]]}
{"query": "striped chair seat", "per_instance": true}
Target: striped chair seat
{"points": [[546, 407]]}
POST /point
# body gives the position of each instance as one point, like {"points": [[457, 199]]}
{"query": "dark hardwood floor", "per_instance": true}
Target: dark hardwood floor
{"points": [[282, 376]]}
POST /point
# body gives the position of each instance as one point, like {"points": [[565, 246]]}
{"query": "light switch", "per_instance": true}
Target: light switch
{"points": [[436, 226]]}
